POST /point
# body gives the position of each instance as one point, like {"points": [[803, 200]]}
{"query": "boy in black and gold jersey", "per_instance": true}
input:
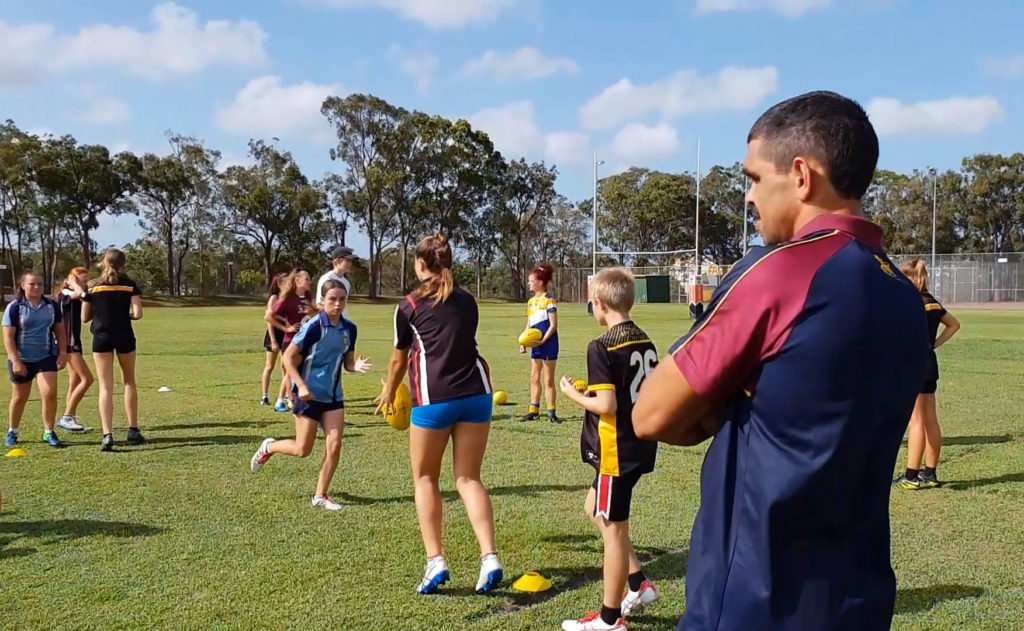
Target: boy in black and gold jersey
{"points": [[617, 364]]}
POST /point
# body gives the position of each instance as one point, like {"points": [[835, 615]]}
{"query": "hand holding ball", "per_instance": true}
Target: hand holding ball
{"points": [[530, 338]]}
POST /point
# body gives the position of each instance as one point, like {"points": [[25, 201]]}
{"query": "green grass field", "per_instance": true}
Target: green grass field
{"points": [[179, 534]]}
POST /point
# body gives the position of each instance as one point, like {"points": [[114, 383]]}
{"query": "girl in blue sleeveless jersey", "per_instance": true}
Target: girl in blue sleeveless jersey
{"points": [[314, 359]]}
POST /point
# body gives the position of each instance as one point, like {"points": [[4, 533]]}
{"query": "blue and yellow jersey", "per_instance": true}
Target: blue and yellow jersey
{"points": [[539, 310]]}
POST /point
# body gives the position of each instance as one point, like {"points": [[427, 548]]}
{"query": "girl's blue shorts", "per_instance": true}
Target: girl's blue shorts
{"points": [[473, 409]]}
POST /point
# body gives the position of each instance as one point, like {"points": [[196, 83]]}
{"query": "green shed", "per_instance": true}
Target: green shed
{"points": [[653, 288]]}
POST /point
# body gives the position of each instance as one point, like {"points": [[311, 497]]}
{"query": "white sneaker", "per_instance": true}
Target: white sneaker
{"points": [[437, 574], [70, 424], [491, 574], [593, 622], [325, 502], [633, 602], [261, 456]]}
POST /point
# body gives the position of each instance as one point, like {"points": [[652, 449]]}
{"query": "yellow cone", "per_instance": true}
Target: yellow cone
{"points": [[532, 582], [17, 452]]}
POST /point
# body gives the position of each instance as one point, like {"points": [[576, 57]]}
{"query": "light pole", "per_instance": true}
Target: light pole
{"points": [[935, 204], [597, 163]]}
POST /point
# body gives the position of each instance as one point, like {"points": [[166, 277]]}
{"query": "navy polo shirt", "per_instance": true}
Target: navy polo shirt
{"points": [[819, 347]]}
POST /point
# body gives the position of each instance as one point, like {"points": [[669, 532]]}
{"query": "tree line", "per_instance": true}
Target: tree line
{"points": [[210, 228]]}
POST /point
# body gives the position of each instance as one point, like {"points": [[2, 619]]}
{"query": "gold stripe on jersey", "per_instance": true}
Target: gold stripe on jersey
{"points": [[623, 335], [933, 307], [601, 386], [609, 437], [627, 344], [99, 288]]}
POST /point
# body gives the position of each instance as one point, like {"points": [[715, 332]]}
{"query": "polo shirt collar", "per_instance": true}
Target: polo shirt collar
{"points": [[326, 322], [857, 227]]}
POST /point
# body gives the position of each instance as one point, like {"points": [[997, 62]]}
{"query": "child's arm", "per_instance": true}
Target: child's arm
{"points": [[552, 327], [362, 365], [62, 349], [952, 325], [76, 289], [396, 373], [273, 318], [292, 360], [11, 346], [399, 361], [603, 402]]}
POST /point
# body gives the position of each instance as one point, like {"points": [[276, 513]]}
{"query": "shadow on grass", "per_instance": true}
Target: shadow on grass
{"points": [[66, 529], [976, 440], [526, 490], [964, 485], [925, 598], [236, 425]]}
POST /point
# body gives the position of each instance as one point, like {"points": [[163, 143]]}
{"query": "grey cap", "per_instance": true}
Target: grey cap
{"points": [[343, 252]]}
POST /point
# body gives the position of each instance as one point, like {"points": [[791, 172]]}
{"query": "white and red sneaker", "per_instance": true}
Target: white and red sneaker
{"points": [[633, 602], [261, 456], [324, 501], [593, 622]]}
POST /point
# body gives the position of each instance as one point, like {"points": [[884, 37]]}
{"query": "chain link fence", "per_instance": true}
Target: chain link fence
{"points": [[987, 279], [976, 278]]}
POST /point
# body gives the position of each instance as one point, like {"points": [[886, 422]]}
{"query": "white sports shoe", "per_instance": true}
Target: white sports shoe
{"points": [[633, 602], [437, 574], [491, 574], [70, 424], [261, 456], [593, 622], [326, 502]]}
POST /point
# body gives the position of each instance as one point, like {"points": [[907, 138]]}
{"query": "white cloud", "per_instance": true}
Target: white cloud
{"points": [[568, 147], [637, 142], [436, 14], [22, 53], [789, 8], [1012, 66], [512, 128], [265, 108], [420, 65], [178, 44], [686, 92], [524, 64], [104, 110], [946, 117]]}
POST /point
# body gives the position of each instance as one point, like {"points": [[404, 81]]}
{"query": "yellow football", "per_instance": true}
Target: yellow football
{"points": [[400, 415], [581, 385], [530, 337], [500, 397]]}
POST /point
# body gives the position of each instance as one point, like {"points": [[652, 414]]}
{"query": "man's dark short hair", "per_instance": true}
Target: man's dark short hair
{"points": [[825, 126]]}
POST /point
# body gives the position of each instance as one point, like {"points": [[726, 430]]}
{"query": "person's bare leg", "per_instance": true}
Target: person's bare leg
{"points": [[426, 449], [268, 371], [334, 426], [20, 392], [131, 390], [469, 443], [550, 392], [302, 445], [47, 384], [932, 431], [104, 363], [915, 435], [80, 380]]}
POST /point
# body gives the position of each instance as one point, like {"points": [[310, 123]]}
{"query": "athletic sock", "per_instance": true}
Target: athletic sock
{"points": [[929, 472], [13, 429], [636, 581], [911, 474], [551, 412], [609, 615], [535, 408]]}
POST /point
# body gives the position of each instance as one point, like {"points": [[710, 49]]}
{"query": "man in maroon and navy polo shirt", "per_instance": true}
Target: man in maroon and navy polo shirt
{"points": [[804, 368]]}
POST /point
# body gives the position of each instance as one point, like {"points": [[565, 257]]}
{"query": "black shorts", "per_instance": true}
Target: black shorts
{"points": [[278, 336], [314, 409], [32, 369], [614, 495], [109, 344], [930, 386]]}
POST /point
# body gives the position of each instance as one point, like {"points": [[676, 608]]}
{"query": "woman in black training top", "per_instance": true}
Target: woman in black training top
{"points": [[111, 303]]}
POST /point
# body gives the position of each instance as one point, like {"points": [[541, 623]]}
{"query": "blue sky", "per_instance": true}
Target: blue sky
{"points": [[639, 82]]}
